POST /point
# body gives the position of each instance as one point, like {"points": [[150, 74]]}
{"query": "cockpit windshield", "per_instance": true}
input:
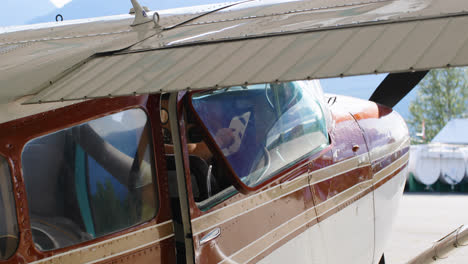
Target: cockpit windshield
{"points": [[8, 222], [264, 128]]}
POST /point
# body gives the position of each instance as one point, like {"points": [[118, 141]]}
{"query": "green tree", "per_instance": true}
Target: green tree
{"points": [[442, 96], [111, 212]]}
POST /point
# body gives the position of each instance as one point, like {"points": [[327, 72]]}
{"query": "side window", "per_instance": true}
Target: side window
{"points": [[262, 129], [90, 180], [8, 223]]}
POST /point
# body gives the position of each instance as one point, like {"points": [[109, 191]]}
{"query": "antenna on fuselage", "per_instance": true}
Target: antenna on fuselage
{"points": [[140, 14]]}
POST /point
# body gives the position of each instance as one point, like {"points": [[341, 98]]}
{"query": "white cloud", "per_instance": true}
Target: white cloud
{"points": [[60, 3]]}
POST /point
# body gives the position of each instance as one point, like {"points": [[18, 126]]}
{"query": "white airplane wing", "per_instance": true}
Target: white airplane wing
{"points": [[251, 42]]}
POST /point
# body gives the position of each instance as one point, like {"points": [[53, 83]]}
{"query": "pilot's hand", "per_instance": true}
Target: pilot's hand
{"points": [[144, 182], [225, 137], [145, 175], [169, 148]]}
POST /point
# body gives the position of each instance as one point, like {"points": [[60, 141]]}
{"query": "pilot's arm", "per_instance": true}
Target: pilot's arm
{"points": [[199, 149], [117, 163]]}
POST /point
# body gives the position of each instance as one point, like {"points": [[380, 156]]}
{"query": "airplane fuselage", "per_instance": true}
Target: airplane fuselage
{"points": [[335, 204]]}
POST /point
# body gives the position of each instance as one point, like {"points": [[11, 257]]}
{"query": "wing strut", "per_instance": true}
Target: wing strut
{"points": [[396, 86]]}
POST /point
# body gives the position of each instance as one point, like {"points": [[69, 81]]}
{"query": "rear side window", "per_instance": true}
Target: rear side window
{"points": [[90, 180], [262, 129], [8, 223]]}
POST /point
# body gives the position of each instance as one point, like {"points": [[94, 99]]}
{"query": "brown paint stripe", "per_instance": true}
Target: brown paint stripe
{"points": [[382, 151], [390, 168], [324, 215], [327, 189], [283, 233], [366, 189], [244, 206], [339, 168], [212, 219], [343, 197], [115, 246], [253, 249], [378, 165], [282, 241], [308, 218], [391, 176]]}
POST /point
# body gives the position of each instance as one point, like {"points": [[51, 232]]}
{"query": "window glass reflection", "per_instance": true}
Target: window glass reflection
{"points": [[90, 180]]}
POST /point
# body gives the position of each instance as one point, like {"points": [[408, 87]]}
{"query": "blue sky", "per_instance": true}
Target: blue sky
{"points": [[363, 87], [20, 12]]}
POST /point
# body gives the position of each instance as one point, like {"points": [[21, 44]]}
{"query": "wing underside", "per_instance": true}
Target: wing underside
{"points": [[268, 41]]}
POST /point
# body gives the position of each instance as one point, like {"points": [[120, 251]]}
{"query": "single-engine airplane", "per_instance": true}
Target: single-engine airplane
{"points": [[201, 135]]}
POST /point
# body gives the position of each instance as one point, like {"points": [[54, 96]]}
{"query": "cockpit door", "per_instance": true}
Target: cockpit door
{"points": [[274, 223]]}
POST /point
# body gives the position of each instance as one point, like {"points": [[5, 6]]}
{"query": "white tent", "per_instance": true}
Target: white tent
{"points": [[455, 132]]}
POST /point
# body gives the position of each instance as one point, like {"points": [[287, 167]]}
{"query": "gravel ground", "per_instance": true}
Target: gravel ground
{"points": [[423, 219]]}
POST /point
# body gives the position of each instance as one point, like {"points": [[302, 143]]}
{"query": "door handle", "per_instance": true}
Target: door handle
{"points": [[210, 236]]}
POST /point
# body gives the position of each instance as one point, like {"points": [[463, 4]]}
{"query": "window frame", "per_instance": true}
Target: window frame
{"points": [[10, 179]]}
